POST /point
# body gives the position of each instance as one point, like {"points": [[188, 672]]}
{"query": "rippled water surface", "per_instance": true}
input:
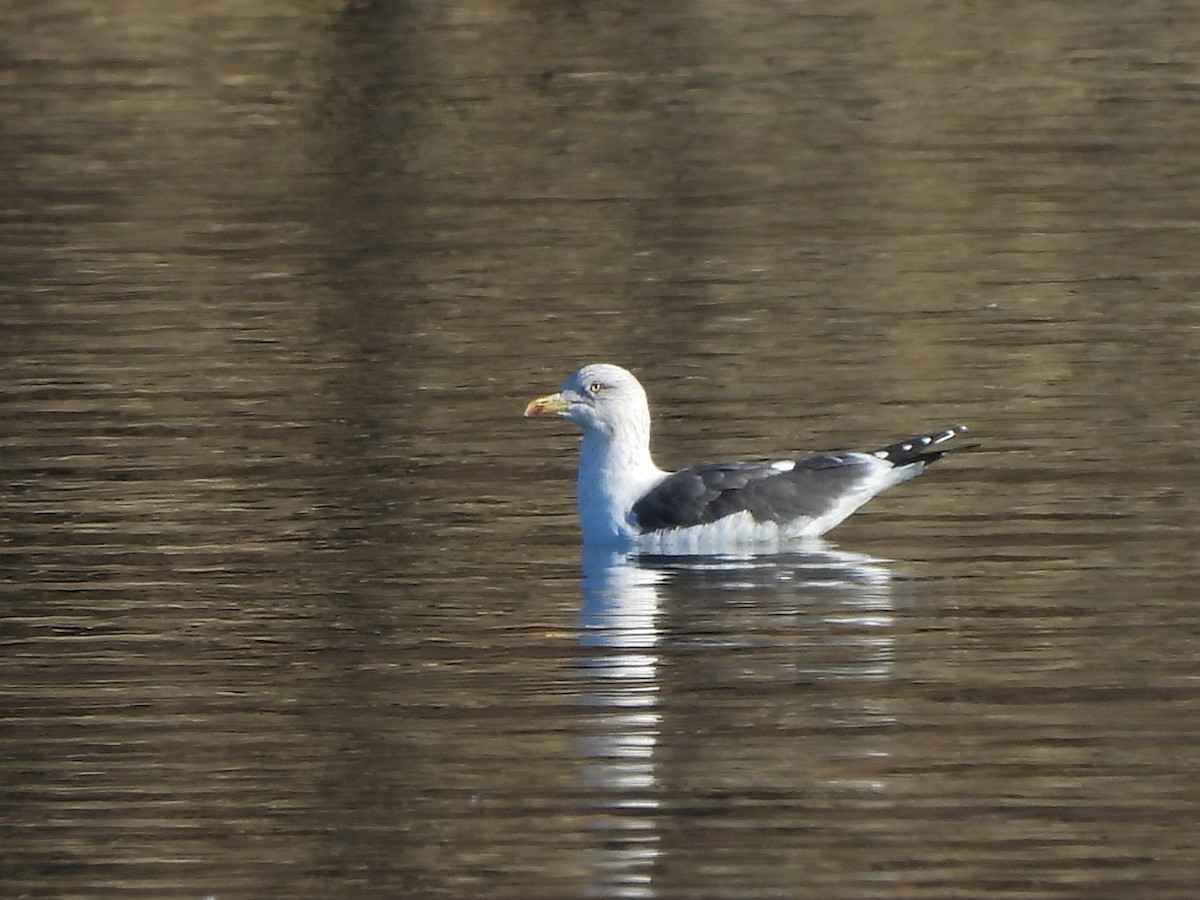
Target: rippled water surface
{"points": [[292, 598]]}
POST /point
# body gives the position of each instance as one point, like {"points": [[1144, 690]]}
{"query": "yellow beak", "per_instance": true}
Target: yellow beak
{"points": [[550, 405]]}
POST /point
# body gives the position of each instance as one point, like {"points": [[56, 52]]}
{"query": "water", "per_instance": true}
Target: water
{"points": [[293, 603]]}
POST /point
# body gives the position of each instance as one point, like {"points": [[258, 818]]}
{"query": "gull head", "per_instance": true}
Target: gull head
{"points": [[598, 398]]}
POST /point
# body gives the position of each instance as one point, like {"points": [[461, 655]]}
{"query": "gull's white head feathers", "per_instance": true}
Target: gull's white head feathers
{"points": [[615, 466], [599, 397]]}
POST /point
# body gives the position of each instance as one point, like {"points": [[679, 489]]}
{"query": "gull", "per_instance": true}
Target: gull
{"points": [[626, 501]]}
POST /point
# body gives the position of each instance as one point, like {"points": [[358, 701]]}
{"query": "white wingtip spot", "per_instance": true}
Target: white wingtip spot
{"points": [[783, 465], [906, 447]]}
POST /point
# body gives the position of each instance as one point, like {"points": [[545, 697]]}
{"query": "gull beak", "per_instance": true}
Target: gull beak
{"points": [[550, 405]]}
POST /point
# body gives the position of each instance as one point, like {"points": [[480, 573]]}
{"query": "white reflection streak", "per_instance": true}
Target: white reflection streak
{"points": [[619, 617]]}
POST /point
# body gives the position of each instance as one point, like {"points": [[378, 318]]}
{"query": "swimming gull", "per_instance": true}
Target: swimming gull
{"points": [[625, 500]]}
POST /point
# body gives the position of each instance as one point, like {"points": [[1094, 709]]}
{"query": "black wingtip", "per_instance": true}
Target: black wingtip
{"points": [[921, 447]]}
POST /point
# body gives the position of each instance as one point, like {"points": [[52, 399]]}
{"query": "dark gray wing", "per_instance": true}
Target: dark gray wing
{"points": [[708, 492]]}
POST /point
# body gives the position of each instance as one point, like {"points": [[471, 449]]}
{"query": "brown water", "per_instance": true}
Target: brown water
{"points": [[293, 604]]}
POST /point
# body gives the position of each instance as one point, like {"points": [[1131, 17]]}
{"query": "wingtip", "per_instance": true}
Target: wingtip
{"points": [[952, 431], [925, 447]]}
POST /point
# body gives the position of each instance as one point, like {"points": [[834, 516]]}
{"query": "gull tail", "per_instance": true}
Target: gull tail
{"points": [[922, 449]]}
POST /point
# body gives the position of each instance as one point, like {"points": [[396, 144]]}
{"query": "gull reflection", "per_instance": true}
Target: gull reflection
{"points": [[618, 623], [801, 617]]}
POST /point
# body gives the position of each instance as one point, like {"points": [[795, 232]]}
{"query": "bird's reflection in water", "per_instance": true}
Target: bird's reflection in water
{"points": [[619, 621], [818, 614]]}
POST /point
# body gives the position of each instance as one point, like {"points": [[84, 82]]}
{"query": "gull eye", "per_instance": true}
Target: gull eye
{"points": [[595, 387]]}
